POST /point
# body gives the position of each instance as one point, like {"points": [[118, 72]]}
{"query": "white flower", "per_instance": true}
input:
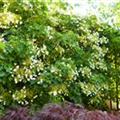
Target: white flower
{"points": [[15, 80], [35, 96], [17, 66], [54, 93]]}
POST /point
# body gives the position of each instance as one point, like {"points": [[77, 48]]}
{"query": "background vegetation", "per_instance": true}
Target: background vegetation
{"points": [[48, 54]]}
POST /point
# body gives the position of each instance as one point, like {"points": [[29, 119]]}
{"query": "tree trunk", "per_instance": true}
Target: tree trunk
{"points": [[117, 99], [110, 104]]}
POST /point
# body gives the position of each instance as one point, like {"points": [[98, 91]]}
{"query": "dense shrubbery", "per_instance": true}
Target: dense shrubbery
{"points": [[64, 111], [49, 55]]}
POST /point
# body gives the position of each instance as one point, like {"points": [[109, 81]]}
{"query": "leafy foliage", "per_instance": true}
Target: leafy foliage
{"points": [[49, 55], [63, 111], [16, 113]]}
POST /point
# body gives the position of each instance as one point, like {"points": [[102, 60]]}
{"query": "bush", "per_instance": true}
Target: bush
{"points": [[63, 111], [16, 113], [48, 55]]}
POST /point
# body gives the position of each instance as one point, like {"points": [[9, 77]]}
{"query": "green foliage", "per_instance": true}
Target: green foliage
{"points": [[48, 55]]}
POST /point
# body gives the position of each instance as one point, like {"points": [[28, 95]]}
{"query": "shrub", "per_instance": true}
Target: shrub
{"points": [[49, 55], [63, 111], [16, 113]]}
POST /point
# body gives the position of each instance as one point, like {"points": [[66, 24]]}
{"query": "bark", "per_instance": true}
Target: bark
{"points": [[117, 99]]}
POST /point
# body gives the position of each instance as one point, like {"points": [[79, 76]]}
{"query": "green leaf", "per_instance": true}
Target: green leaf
{"points": [[2, 74]]}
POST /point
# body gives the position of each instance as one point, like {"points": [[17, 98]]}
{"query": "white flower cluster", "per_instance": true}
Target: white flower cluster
{"points": [[97, 61], [86, 71], [40, 81], [89, 89], [7, 18], [27, 72], [94, 38], [20, 96], [54, 70], [44, 50], [70, 72]]}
